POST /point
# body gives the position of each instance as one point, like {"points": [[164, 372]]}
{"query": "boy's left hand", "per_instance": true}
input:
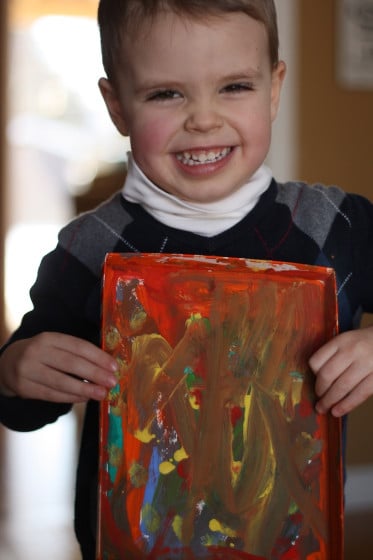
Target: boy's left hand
{"points": [[344, 371]]}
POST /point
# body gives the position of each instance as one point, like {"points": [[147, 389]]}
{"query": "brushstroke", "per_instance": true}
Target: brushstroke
{"points": [[210, 446]]}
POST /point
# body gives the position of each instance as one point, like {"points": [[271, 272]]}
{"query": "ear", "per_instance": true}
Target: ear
{"points": [[113, 105], [278, 76]]}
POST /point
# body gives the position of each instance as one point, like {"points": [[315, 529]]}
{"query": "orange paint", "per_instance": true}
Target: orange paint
{"points": [[214, 355]]}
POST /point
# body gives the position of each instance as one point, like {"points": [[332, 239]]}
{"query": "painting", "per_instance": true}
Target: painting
{"points": [[210, 446]]}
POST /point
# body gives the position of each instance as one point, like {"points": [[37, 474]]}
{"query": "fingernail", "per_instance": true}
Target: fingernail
{"points": [[319, 409], [100, 393], [112, 380]]}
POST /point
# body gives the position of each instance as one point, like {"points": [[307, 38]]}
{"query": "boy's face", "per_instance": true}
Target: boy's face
{"points": [[197, 100]]}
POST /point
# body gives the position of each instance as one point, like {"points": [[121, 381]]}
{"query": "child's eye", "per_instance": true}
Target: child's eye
{"points": [[163, 95], [238, 87]]}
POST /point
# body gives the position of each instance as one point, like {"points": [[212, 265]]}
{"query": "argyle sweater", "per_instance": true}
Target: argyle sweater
{"points": [[292, 222]]}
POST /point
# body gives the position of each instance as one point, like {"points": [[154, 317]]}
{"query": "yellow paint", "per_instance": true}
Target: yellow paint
{"points": [[112, 397], [157, 371], [247, 405], [268, 488], [151, 518], [281, 395], [208, 540], [166, 467], [192, 318], [180, 455], [144, 435], [117, 410], [115, 455], [177, 526], [236, 469], [193, 402], [137, 320], [138, 475], [218, 527], [296, 391], [112, 338]]}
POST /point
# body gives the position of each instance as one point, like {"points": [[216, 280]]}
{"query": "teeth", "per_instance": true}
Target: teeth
{"points": [[202, 157]]}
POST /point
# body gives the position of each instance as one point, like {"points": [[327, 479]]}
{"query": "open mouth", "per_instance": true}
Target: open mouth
{"points": [[202, 157]]}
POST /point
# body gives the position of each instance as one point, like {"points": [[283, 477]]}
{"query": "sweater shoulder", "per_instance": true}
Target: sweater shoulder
{"points": [[313, 197], [93, 234], [315, 208]]}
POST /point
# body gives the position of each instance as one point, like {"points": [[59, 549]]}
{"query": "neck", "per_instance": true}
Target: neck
{"points": [[206, 219]]}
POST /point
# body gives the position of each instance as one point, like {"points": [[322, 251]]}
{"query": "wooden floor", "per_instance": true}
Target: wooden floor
{"points": [[36, 496]]}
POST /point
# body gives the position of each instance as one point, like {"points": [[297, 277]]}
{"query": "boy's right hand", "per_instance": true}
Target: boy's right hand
{"points": [[56, 367]]}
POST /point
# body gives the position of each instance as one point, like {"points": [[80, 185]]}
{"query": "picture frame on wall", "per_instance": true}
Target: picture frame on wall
{"points": [[354, 45]]}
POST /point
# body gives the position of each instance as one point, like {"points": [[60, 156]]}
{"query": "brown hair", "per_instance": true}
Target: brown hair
{"points": [[117, 17]]}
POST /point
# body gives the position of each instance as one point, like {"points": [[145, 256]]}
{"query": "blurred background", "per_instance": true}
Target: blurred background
{"points": [[60, 155]]}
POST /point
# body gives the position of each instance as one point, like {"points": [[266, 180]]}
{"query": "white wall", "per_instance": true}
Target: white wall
{"points": [[283, 154]]}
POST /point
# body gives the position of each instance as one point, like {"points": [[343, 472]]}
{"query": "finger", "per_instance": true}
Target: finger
{"points": [[47, 394], [359, 395], [73, 356], [323, 355], [84, 349], [344, 384], [75, 365], [332, 372], [59, 387], [332, 393]]}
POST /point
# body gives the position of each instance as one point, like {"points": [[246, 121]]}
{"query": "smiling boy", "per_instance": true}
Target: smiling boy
{"points": [[196, 87], [186, 87]]}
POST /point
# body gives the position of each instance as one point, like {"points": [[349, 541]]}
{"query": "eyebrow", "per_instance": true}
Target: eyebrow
{"points": [[247, 74]]}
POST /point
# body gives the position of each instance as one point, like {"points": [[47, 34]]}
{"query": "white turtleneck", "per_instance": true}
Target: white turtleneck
{"points": [[206, 219]]}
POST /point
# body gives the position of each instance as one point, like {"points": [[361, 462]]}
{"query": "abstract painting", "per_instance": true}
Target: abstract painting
{"points": [[210, 447]]}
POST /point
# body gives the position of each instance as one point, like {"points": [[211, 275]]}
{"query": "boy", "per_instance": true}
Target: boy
{"points": [[196, 86]]}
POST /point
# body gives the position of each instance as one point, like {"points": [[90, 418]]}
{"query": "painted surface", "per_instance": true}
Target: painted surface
{"points": [[210, 446]]}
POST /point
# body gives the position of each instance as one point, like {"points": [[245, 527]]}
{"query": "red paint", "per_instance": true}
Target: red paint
{"points": [[183, 469], [219, 553], [267, 312], [236, 415], [197, 394], [306, 408]]}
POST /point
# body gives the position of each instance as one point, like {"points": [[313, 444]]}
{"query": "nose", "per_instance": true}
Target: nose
{"points": [[203, 118]]}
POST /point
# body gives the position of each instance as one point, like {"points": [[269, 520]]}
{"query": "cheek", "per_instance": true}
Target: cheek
{"points": [[257, 128], [151, 135]]}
